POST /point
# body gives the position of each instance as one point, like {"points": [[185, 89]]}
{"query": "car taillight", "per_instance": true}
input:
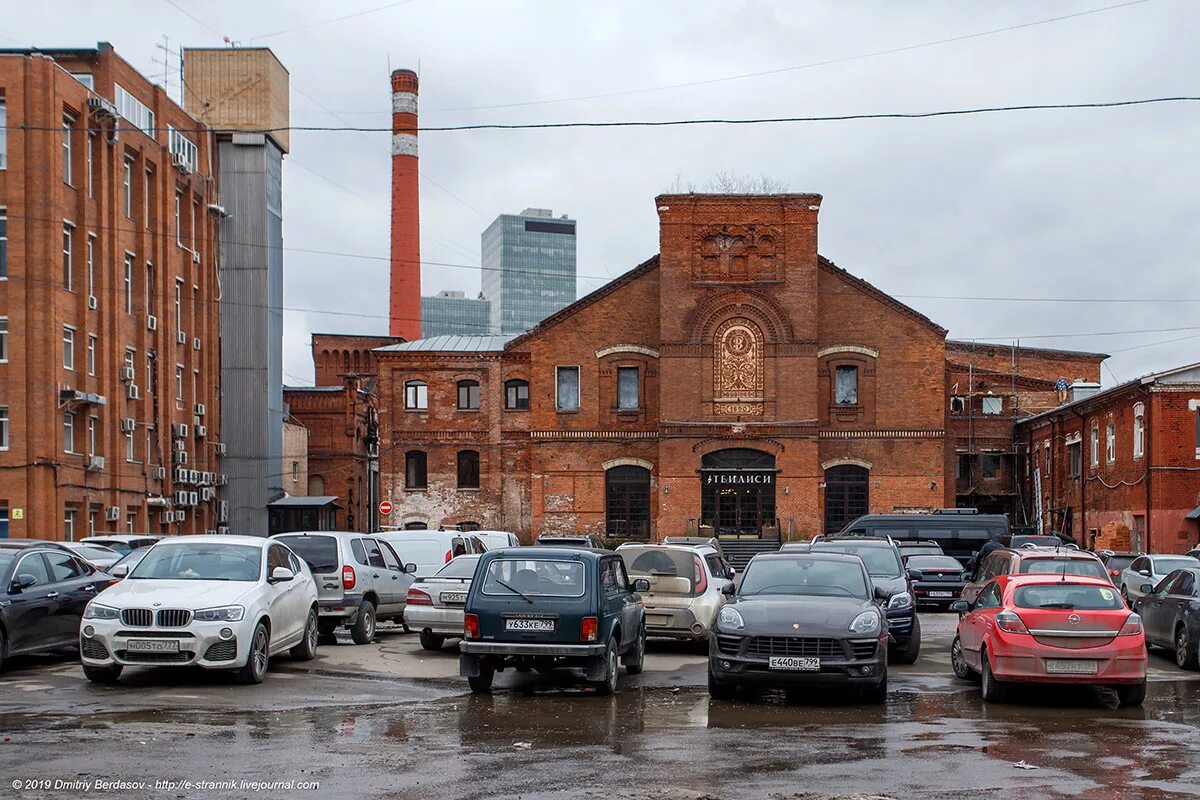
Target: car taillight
{"points": [[416, 597], [470, 626], [1114, 572], [701, 576], [1009, 622], [589, 629], [449, 555], [1132, 626], [348, 577]]}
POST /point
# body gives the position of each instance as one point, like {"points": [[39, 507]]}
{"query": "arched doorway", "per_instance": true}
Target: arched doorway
{"points": [[846, 495], [627, 502], [737, 492]]}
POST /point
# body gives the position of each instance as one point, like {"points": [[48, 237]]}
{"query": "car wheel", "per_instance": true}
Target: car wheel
{"points": [[3, 645], [1133, 695], [958, 661], [637, 658], [1186, 655], [363, 629], [102, 674], [877, 694], [431, 641], [612, 668], [912, 650], [994, 691], [482, 683], [718, 690], [307, 649], [255, 668]]}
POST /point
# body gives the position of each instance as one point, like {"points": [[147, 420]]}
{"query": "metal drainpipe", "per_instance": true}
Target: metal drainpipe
{"points": [[1083, 475], [1146, 451]]}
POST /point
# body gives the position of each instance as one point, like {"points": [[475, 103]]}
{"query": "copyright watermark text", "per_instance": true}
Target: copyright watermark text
{"points": [[93, 785]]}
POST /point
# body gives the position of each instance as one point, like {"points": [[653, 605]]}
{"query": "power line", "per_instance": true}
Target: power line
{"points": [[328, 21], [810, 65], [193, 17]]}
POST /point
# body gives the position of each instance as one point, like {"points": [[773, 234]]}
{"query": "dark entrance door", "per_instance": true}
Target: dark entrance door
{"points": [[737, 492], [845, 495]]}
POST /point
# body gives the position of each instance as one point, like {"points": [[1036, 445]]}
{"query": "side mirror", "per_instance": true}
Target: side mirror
{"points": [[119, 571], [881, 593], [281, 575], [410, 568], [1145, 572], [729, 590], [1147, 588], [731, 574], [641, 585], [22, 582], [960, 606], [914, 574]]}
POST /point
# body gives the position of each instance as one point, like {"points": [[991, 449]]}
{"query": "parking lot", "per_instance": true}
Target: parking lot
{"points": [[392, 720]]}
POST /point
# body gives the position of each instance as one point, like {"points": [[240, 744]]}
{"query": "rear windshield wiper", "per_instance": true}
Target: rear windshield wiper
{"points": [[526, 597]]}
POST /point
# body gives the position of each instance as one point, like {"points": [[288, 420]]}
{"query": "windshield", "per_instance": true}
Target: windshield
{"points": [[461, 567], [1164, 565], [1067, 596], [669, 571], [804, 576], [534, 577], [920, 549], [93, 551], [200, 561], [1062, 566], [120, 547], [934, 562], [320, 552], [1119, 562], [881, 561], [133, 558]]}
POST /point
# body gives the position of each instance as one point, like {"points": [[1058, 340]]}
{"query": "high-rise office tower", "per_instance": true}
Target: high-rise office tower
{"points": [[528, 268]]}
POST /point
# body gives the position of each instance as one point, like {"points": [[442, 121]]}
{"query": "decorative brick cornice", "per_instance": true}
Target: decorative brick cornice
{"points": [[617, 349], [885, 433], [591, 435], [418, 435]]}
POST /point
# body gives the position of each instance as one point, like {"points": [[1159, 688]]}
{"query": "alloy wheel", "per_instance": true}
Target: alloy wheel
{"points": [[259, 651], [957, 661], [310, 632], [1182, 646], [369, 625]]}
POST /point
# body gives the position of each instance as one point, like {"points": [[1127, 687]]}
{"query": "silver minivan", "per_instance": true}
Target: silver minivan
{"points": [[360, 580]]}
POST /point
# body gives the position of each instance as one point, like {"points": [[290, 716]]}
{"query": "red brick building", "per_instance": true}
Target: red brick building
{"points": [[1120, 468], [737, 382], [109, 401]]}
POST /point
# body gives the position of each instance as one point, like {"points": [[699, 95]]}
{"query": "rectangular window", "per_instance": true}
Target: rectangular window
{"points": [[1095, 449], [127, 187], [151, 288], [68, 276], [93, 515], [3, 340], [468, 469], [150, 382], [69, 525], [68, 431], [130, 447], [566, 388], [628, 394], [148, 195], [963, 472], [516, 394], [91, 265], [958, 405], [846, 386], [67, 123], [993, 405], [1110, 443], [179, 304], [151, 458], [68, 347], [1139, 431], [991, 465], [130, 521], [183, 152], [468, 395], [91, 355], [178, 382], [3, 135], [416, 395], [128, 283], [134, 110], [3, 243], [1074, 459], [93, 422], [130, 356], [91, 169], [178, 219], [4, 427], [195, 214]]}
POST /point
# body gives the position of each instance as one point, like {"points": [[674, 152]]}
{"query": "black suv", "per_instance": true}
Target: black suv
{"points": [[882, 560], [959, 531]]}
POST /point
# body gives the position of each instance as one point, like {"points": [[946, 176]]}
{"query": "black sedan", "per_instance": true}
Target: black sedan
{"points": [[43, 591], [797, 620], [937, 580], [1171, 615]]}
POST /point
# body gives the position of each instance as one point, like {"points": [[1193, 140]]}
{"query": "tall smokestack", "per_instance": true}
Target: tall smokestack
{"points": [[404, 309]]}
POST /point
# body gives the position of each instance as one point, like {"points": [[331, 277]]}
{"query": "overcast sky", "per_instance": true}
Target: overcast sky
{"points": [[1059, 204]]}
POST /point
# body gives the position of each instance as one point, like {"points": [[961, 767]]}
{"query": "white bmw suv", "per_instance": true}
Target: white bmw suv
{"points": [[220, 602]]}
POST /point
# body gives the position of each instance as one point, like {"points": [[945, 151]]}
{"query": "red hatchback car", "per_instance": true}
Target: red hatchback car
{"points": [[1050, 629]]}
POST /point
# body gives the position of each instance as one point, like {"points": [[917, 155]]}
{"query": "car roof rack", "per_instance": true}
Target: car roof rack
{"points": [[956, 511]]}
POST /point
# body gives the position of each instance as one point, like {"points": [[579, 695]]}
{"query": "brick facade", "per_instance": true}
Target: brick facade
{"points": [[742, 338], [74, 323], [1133, 500]]}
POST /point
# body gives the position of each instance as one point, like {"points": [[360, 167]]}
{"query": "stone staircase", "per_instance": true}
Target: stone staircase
{"points": [[738, 552]]}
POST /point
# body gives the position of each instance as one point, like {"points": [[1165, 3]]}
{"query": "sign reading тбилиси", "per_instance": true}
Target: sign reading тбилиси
{"points": [[738, 478]]}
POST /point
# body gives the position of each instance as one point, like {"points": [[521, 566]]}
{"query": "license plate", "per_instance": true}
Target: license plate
{"points": [[454, 597], [656, 620], [536, 625], [795, 664], [152, 645], [941, 594], [1071, 666]]}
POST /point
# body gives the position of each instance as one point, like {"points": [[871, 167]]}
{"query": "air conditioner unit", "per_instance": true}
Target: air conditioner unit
{"points": [[180, 337], [151, 322], [194, 477], [210, 533], [193, 498], [223, 511], [179, 161], [95, 463], [207, 494], [181, 475], [166, 517], [180, 515], [196, 343], [222, 479], [197, 421], [181, 498], [127, 374], [200, 409], [179, 430], [134, 392], [195, 257], [220, 448], [160, 473], [181, 456], [128, 424], [201, 431], [92, 302], [112, 513]]}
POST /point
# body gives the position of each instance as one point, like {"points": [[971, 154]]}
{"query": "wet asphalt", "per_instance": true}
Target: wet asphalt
{"points": [[374, 735]]}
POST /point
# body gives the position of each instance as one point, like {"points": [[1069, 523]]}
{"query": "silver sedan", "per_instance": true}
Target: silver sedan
{"points": [[435, 604]]}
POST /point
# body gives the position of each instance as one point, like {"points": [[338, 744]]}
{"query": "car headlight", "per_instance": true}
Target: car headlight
{"points": [[866, 622], [219, 614], [730, 618], [97, 611], [900, 600]]}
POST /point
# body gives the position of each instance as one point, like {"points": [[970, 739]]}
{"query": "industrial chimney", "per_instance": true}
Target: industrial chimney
{"points": [[404, 308]]}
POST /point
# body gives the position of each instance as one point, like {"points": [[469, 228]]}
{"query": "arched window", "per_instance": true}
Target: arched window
{"points": [[516, 395], [468, 395], [416, 395], [468, 469], [316, 486], [416, 525], [415, 471], [1139, 430], [846, 490], [627, 502], [346, 360]]}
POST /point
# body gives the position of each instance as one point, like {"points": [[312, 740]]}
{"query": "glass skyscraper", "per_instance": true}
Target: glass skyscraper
{"points": [[454, 313], [528, 268]]}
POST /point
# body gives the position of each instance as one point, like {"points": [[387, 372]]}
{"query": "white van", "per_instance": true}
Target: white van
{"points": [[431, 550], [497, 539]]}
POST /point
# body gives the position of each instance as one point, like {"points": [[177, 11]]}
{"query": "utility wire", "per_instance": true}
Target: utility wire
{"points": [[326, 21]]}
